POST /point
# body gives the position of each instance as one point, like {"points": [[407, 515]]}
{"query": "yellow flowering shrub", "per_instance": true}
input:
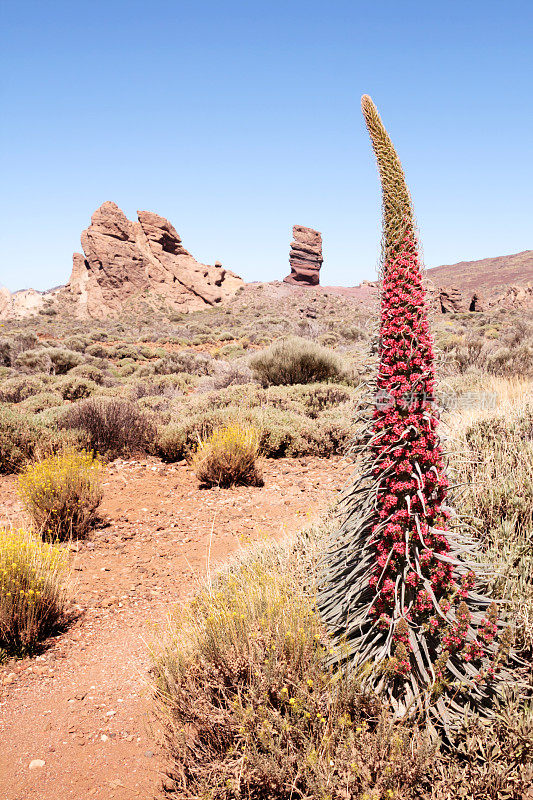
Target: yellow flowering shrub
{"points": [[32, 590], [228, 457], [62, 493]]}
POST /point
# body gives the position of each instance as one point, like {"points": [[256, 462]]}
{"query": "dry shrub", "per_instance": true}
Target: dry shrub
{"points": [[282, 432], [513, 360], [249, 708], [185, 361], [296, 360], [63, 360], [493, 461], [227, 373], [41, 402], [498, 469], [89, 371], [62, 493], [229, 457], [113, 427], [32, 591]]}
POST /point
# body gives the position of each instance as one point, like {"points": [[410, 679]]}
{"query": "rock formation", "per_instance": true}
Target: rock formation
{"points": [[127, 266], [476, 303], [516, 297], [24, 303], [451, 299], [127, 261], [305, 257]]}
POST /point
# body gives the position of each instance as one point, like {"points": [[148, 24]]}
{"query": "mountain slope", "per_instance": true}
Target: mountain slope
{"points": [[485, 274]]}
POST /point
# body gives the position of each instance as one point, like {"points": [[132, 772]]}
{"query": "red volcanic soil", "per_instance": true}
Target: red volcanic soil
{"points": [[82, 707], [486, 274]]}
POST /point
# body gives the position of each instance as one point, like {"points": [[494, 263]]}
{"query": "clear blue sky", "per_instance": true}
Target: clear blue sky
{"points": [[237, 120]]}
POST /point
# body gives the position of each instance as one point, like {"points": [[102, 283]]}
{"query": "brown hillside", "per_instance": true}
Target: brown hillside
{"points": [[487, 273]]}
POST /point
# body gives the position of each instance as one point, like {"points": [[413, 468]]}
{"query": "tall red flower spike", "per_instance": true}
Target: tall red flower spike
{"points": [[397, 592]]}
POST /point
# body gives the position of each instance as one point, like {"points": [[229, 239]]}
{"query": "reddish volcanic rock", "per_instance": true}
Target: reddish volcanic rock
{"points": [[305, 257], [451, 299], [128, 261]]}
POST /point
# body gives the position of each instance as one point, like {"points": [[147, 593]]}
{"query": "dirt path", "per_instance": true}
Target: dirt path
{"points": [[82, 706]]}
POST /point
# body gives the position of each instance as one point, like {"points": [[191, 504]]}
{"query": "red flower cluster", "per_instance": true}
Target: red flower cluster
{"points": [[409, 534]]}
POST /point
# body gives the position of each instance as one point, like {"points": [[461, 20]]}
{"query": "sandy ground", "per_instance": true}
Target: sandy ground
{"points": [[82, 706]]}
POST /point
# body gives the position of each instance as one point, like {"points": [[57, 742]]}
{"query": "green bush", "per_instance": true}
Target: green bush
{"points": [[74, 387], [20, 436], [11, 347], [90, 372], [122, 351], [42, 401], [15, 390], [63, 360], [77, 343], [164, 385], [98, 336], [98, 351], [296, 360], [185, 361], [282, 432], [231, 351], [34, 361]]}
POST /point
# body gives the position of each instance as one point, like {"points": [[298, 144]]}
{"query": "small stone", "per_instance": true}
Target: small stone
{"points": [[37, 763], [104, 738], [148, 754]]}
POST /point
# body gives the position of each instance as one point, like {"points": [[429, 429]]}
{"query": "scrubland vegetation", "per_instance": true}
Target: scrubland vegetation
{"points": [[249, 708], [128, 388], [246, 701]]}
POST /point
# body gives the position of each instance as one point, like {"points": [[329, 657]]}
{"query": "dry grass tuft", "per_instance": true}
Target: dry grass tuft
{"points": [[492, 460]]}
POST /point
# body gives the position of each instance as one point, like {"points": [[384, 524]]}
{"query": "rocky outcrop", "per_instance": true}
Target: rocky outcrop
{"points": [[305, 257], [451, 299], [17, 305], [516, 297], [128, 266], [126, 261], [477, 303]]}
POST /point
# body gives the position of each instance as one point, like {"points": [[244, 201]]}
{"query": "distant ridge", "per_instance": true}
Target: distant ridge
{"points": [[487, 273]]}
